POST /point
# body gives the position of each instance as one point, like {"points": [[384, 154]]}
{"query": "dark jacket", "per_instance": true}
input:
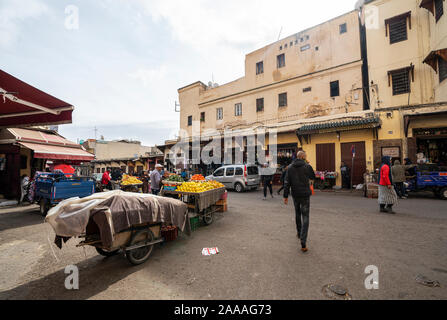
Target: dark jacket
{"points": [[297, 178]]}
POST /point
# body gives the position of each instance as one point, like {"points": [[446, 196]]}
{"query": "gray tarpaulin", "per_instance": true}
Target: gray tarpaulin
{"points": [[114, 212]]}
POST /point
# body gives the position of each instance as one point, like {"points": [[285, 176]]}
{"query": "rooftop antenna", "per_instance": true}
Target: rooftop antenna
{"points": [[177, 107], [279, 36], [96, 131]]}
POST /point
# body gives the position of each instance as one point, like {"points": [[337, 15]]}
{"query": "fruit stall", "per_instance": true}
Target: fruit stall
{"points": [[130, 184], [202, 197]]}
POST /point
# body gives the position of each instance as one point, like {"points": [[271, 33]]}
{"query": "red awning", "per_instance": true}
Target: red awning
{"points": [[24, 105], [50, 152]]}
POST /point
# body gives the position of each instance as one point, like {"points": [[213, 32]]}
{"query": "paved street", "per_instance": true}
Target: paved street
{"points": [[259, 254]]}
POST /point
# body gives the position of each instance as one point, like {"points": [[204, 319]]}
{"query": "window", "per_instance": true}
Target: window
{"points": [[291, 43], [260, 105], [343, 28], [230, 172], [308, 89], [189, 121], [401, 80], [219, 112], [397, 27], [98, 170], [285, 46], [219, 172], [335, 89], [442, 65], [239, 172], [238, 109], [282, 99], [306, 47], [202, 117], [281, 60], [439, 9], [252, 171], [260, 67]]}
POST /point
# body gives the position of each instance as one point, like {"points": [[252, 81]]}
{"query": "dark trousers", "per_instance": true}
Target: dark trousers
{"points": [[155, 192], [281, 189], [269, 185], [302, 210], [400, 189]]}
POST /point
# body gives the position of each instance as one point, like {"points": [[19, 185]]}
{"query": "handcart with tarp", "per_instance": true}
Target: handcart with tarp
{"points": [[118, 221], [202, 204]]}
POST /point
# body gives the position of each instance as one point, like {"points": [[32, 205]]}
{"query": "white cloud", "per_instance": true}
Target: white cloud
{"points": [[13, 13]]}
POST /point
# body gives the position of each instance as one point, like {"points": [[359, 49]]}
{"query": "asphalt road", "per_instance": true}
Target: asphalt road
{"points": [[259, 254]]}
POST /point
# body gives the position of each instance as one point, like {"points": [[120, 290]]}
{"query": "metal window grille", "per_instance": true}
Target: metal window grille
{"points": [[190, 121], [202, 117], [238, 109], [335, 89], [308, 89], [282, 99], [401, 81], [281, 60], [260, 67], [343, 28], [260, 105], [219, 112], [398, 27], [439, 9], [442, 66]]}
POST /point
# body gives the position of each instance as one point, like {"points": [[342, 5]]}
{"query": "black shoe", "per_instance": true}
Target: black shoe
{"points": [[383, 209], [390, 210]]}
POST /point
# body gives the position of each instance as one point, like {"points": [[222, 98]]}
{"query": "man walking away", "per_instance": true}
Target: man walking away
{"points": [[387, 194], [283, 175], [156, 179], [298, 178], [267, 181], [345, 176]]}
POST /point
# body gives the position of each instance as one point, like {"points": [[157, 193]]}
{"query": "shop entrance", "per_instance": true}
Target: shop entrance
{"points": [[432, 143], [359, 161]]}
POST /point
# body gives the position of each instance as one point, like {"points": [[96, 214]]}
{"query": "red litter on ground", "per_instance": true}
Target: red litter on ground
{"points": [[209, 251]]}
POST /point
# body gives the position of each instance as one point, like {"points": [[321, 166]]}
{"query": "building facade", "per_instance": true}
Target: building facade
{"points": [[130, 156], [407, 55], [368, 81]]}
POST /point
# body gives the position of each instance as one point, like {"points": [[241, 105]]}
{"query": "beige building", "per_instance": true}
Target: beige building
{"points": [[130, 156], [371, 80], [407, 57]]}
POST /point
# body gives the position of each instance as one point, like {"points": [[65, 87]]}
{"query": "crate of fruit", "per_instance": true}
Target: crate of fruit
{"points": [[169, 188]]}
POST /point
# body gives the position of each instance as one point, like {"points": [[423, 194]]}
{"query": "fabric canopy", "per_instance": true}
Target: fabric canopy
{"points": [[432, 58], [50, 152], [24, 105]]}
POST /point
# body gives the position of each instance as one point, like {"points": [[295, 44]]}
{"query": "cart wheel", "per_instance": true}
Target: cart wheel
{"points": [[208, 218], [443, 194], [140, 255], [106, 253], [44, 207]]}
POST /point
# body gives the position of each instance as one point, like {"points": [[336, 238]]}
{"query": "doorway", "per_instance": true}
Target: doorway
{"points": [[359, 160]]}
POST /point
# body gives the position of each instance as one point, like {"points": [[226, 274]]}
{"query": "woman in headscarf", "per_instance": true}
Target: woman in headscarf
{"points": [[387, 194]]}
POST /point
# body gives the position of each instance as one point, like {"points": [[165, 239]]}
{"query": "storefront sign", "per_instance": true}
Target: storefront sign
{"points": [[393, 152]]}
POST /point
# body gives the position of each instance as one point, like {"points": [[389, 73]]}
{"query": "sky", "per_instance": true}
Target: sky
{"points": [[120, 62]]}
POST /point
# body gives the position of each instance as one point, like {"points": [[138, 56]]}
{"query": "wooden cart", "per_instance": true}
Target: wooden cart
{"points": [[137, 242], [203, 204]]}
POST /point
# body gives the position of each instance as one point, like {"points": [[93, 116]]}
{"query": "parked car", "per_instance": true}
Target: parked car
{"points": [[237, 177]]}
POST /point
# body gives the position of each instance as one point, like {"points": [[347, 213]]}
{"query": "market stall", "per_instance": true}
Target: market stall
{"points": [[201, 196], [325, 179]]}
